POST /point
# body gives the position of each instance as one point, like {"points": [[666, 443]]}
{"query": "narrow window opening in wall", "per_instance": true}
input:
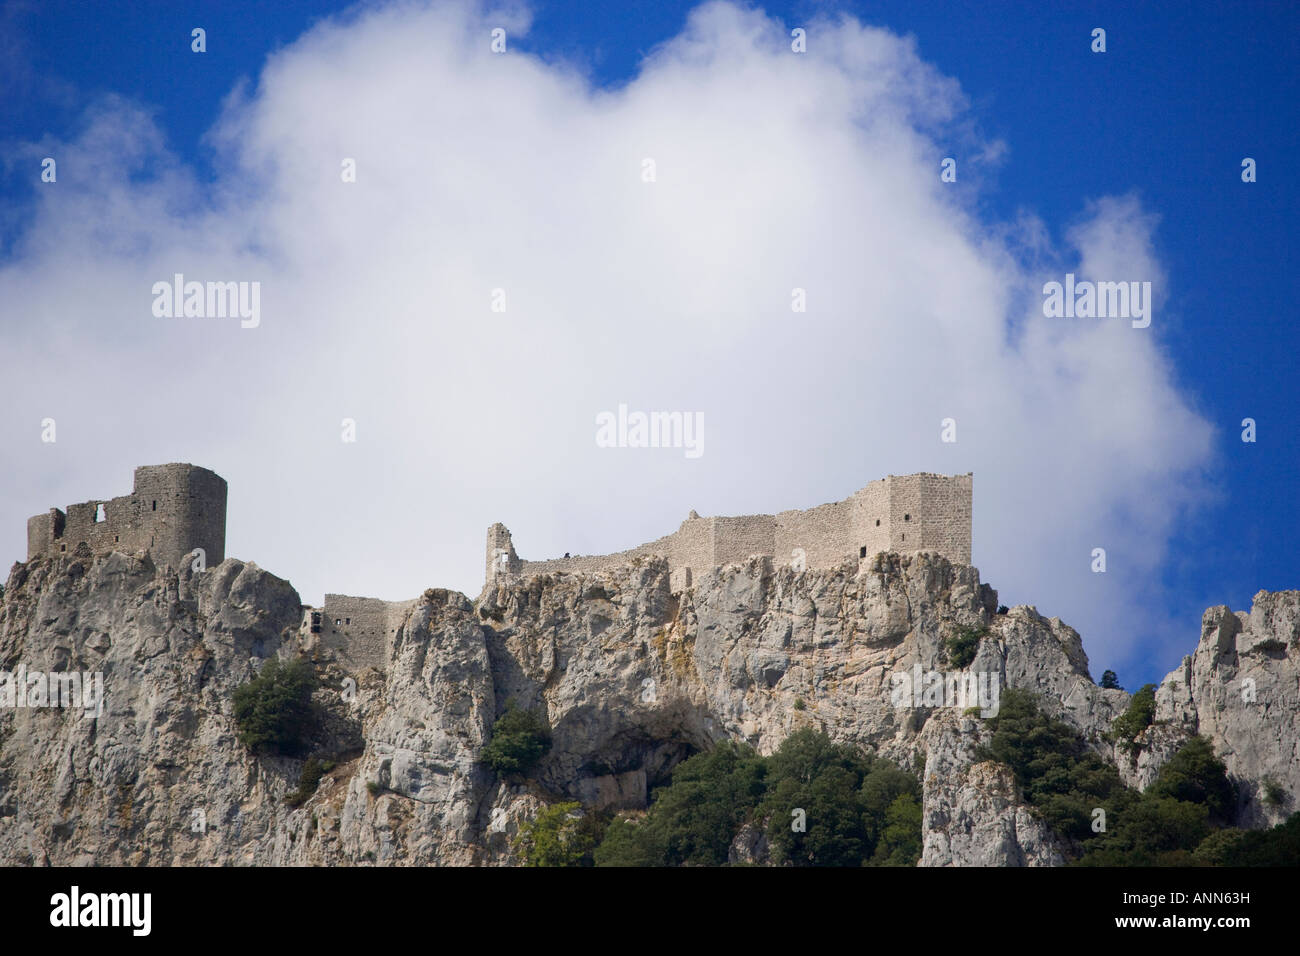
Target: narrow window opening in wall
{"points": [[904, 537], [115, 539], [862, 551], [100, 514], [349, 621], [338, 621], [907, 517], [155, 506], [63, 547], [877, 522]]}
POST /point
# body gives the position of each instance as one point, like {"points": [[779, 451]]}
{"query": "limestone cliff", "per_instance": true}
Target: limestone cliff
{"points": [[632, 676], [1241, 689]]}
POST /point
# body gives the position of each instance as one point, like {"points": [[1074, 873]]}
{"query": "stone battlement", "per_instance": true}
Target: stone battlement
{"points": [[172, 510], [907, 513]]}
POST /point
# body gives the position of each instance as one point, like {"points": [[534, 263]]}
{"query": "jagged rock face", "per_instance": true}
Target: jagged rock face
{"points": [[1241, 689], [972, 813], [121, 787], [632, 677]]}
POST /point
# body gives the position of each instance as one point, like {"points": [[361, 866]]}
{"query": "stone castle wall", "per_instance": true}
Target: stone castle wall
{"points": [[735, 539], [172, 510], [871, 520], [932, 513], [949, 511], [175, 508], [361, 630], [922, 512], [822, 532]]}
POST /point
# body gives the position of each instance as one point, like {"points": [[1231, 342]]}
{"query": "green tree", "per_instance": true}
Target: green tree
{"points": [[627, 843], [560, 835], [1217, 848], [823, 779], [1196, 775], [274, 711], [1150, 830], [890, 797], [1064, 780], [900, 838], [520, 739], [1060, 776], [1141, 711], [1173, 822], [695, 819], [857, 810], [1110, 681], [964, 645], [1279, 846]]}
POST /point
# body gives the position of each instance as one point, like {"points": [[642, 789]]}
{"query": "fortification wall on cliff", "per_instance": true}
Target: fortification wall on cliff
{"points": [[922, 512], [932, 513], [172, 510], [362, 630]]}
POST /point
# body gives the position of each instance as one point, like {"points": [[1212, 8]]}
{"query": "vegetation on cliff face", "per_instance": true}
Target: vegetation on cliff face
{"points": [[1177, 821], [274, 711], [1141, 711], [962, 647], [520, 739], [858, 809], [694, 819], [1061, 777], [560, 835], [812, 803], [732, 644], [309, 779], [818, 803]]}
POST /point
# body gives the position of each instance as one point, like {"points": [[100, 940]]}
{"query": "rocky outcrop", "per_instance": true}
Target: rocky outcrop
{"points": [[1241, 689], [973, 815], [632, 676], [157, 776]]}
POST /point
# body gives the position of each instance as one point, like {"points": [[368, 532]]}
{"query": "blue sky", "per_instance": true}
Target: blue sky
{"points": [[1183, 93]]}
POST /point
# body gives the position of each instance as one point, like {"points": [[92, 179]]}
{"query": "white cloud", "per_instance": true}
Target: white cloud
{"points": [[478, 171]]}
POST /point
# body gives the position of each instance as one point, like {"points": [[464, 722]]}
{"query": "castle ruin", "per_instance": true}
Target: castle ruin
{"points": [[172, 510], [907, 513], [361, 630], [177, 508]]}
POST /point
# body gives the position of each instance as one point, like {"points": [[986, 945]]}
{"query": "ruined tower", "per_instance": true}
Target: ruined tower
{"points": [[172, 510]]}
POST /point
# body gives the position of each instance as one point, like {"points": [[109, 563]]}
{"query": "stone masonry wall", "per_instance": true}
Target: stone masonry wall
{"points": [[172, 510], [906, 531], [362, 630], [822, 533], [581, 562], [692, 547], [922, 512], [735, 539], [871, 519], [944, 512]]}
